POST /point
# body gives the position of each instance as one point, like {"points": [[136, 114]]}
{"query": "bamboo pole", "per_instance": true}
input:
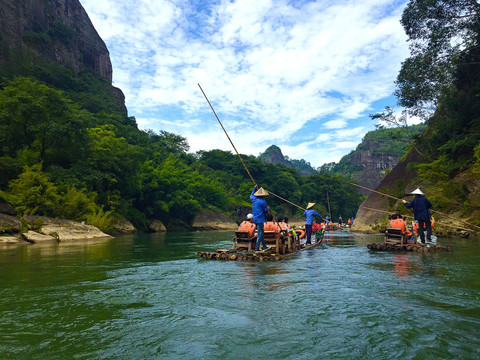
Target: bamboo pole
{"points": [[433, 211], [329, 212], [241, 160], [411, 217]]}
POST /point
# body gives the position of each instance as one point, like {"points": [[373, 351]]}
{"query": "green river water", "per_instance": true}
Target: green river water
{"points": [[150, 297]]}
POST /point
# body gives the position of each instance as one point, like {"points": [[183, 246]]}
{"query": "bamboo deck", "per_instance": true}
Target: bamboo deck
{"points": [[410, 247], [267, 255]]}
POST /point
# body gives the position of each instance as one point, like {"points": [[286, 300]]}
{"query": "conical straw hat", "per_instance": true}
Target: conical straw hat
{"points": [[310, 205], [261, 192], [417, 192]]}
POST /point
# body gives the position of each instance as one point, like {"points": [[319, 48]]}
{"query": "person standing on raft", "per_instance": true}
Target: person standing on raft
{"points": [[259, 211], [420, 205], [310, 214]]}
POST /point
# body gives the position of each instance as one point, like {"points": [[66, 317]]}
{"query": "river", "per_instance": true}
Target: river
{"points": [[150, 297]]}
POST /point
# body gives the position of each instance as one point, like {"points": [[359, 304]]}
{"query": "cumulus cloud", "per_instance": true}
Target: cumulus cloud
{"points": [[276, 71]]}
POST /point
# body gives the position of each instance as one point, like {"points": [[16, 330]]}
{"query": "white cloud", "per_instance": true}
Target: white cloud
{"points": [[279, 71], [335, 124]]}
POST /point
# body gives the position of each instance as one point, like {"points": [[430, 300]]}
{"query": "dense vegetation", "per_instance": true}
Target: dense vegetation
{"points": [[68, 151], [443, 75]]}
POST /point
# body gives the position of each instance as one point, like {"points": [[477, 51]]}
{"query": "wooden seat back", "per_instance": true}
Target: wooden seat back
{"points": [[272, 239], [243, 241], [395, 236]]}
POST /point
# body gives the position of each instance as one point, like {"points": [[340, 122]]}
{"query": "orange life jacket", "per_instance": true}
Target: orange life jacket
{"points": [[272, 226], [247, 226], [398, 224], [284, 226], [415, 225]]}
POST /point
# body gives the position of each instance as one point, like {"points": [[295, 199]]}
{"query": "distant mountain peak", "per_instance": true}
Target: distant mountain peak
{"points": [[273, 155]]}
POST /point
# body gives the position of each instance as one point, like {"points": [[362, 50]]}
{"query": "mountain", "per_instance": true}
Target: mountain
{"points": [[378, 153], [55, 42], [273, 155]]}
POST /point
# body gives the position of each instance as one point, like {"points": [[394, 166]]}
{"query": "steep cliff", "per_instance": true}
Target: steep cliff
{"points": [[374, 157], [34, 32]]}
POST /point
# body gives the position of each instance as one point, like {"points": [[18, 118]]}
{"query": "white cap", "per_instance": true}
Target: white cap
{"points": [[249, 216], [417, 192]]}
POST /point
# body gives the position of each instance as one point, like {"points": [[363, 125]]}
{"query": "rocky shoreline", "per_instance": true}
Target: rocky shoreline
{"points": [[44, 229]]}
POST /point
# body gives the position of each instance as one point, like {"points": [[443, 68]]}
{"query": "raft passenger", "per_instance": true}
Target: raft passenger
{"points": [[271, 225], [397, 222], [248, 225]]}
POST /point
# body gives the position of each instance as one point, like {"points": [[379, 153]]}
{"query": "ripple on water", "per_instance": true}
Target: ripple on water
{"points": [[149, 297]]}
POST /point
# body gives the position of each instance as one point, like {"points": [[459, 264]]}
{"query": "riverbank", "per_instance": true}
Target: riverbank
{"points": [[39, 229]]}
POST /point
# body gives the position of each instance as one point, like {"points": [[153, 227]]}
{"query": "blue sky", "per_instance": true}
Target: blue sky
{"points": [[303, 75]]}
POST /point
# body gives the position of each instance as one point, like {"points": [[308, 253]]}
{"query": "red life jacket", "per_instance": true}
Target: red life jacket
{"points": [[247, 226], [316, 227]]}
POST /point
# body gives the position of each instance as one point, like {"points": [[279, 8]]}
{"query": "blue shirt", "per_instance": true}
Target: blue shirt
{"points": [[310, 214], [420, 207], [259, 208]]}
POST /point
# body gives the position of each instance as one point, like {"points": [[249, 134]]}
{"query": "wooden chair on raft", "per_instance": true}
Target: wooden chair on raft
{"points": [[395, 236], [273, 240], [243, 241]]}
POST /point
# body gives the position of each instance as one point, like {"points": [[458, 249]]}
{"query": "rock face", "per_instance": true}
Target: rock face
{"points": [[379, 152], [58, 31], [365, 220], [75, 231], [9, 240], [157, 226], [208, 220], [32, 31], [124, 226], [9, 223], [6, 209], [273, 155], [34, 237], [63, 230], [373, 166]]}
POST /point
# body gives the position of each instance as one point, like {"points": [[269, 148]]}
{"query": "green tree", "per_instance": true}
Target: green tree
{"points": [[444, 37], [43, 120]]}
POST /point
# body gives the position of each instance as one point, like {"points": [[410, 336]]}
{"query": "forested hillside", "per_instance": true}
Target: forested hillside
{"points": [[69, 149], [379, 151], [440, 81]]}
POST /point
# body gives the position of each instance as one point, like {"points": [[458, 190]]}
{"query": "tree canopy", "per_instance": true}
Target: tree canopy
{"points": [[444, 41], [60, 156]]}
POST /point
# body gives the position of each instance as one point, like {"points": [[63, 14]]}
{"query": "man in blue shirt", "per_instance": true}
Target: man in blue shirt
{"points": [[420, 205], [310, 214], [259, 210]]}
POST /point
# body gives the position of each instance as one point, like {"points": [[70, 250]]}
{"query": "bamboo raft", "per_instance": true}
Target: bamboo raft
{"points": [[410, 247], [273, 254], [396, 240]]}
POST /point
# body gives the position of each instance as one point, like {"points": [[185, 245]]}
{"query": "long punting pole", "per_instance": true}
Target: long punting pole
{"points": [[225, 131], [434, 211], [231, 142], [411, 217], [329, 212]]}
